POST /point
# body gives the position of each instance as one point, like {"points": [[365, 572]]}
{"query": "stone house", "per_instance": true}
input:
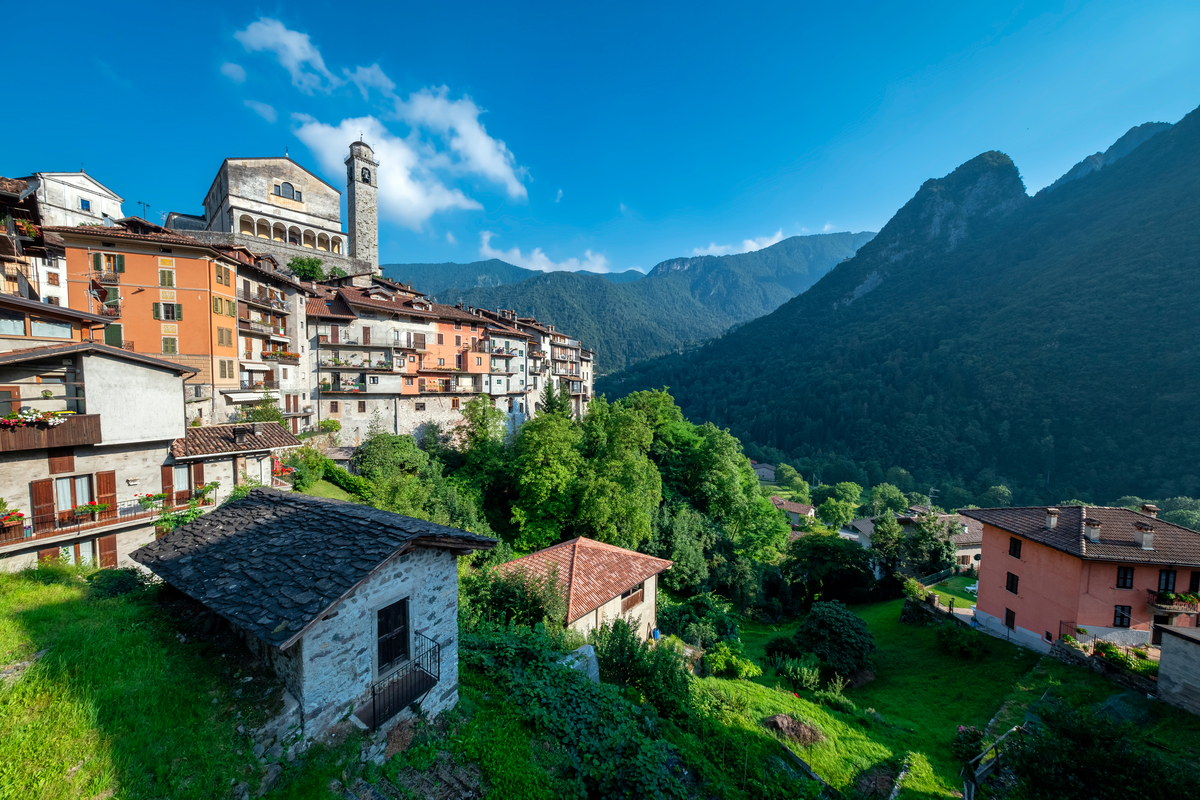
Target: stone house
{"points": [[356, 609], [601, 582], [229, 454], [794, 511]]}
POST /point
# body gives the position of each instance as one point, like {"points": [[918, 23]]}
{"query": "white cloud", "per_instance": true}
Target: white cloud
{"points": [[747, 246], [295, 51], [235, 72], [409, 191], [450, 238], [262, 109], [558, 197], [372, 77], [593, 262], [828, 227]]}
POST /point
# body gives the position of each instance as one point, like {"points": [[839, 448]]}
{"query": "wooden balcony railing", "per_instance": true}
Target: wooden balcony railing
{"points": [[632, 600], [76, 429]]}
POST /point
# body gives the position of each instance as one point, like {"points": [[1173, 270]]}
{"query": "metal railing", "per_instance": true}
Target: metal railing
{"points": [[930, 580], [409, 684], [261, 327], [108, 277], [110, 309], [262, 300], [259, 385], [1173, 601], [58, 523]]}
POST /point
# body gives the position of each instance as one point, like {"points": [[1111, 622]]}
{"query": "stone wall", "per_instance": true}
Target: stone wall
{"points": [[283, 251], [1179, 672], [1069, 655]]}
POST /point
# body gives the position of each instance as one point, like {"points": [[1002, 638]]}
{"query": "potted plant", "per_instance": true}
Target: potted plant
{"points": [[12, 523], [89, 509]]}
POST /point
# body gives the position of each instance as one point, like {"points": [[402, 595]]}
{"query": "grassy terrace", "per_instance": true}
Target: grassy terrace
{"points": [[324, 488]]}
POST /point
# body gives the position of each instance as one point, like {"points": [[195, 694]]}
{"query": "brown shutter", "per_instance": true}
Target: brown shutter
{"points": [[366, 337], [48, 555], [106, 492], [62, 459], [197, 475], [333, 334], [168, 485], [108, 551], [42, 494]]}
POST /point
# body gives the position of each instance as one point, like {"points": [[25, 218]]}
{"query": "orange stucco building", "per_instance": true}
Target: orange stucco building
{"points": [[165, 295], [1120, 574]]}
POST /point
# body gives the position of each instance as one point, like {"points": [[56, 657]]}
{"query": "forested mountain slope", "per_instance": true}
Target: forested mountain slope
{"points": [[681, 302], [985, 336], [435, 279]]}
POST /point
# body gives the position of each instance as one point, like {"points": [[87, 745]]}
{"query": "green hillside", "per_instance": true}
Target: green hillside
{"points": [[680, 303], [435, 279], [985, 336]]}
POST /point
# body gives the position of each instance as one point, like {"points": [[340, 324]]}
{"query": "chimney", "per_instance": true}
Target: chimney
{"points": [[1145, 535], [1150, 510], [1091, 529], [1051, 517], [258, 428], [239, 435]]}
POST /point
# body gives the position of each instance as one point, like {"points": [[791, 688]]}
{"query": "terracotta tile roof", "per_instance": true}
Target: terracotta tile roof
{"points": [[398, 304], [13, 185], [213, 439], [803, 509], [274, 562], [106, 232], [591, 572], [327, 304], [30, 353], [1119, 535]]}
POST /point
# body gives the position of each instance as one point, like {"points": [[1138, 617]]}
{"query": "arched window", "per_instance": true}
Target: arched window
{"points": [[288, 191], [366, 175], [278, 233], [246, 226], [336, 245]]}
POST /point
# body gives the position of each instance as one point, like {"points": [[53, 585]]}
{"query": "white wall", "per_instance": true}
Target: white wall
{"points": [[136, 402]]}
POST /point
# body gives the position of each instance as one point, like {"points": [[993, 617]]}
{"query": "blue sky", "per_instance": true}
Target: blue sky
{"points": [[606, 135]]}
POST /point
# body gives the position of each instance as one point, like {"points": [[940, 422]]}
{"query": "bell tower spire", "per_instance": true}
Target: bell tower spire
{"points": [[361, 203]]}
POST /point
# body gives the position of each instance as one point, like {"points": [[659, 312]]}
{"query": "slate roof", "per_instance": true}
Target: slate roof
{"points": [[275, 562], [1119, 536], [803, 509], [211, 440], [591, 572]]}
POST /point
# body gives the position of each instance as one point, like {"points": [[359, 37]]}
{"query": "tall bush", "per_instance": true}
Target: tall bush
{"points": [[837, 636]]}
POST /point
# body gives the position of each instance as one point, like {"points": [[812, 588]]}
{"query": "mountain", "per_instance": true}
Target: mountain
{"points": [[1132, 139], [615, 277], [986, 337], [680, 303], [435, 279]]}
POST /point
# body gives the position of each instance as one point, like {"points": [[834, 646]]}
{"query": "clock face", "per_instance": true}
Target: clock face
{"points": [[366, 175]]}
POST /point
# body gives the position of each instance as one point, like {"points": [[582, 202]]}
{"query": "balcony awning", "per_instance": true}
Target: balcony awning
{"points": [[243, 397], [255, 366], [275, 337]]}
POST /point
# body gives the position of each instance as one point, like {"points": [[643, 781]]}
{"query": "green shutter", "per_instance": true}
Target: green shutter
{"points": [[158, 310], [178, 311], [216, 305], [97, 262], [112, 336], [120, 263]]}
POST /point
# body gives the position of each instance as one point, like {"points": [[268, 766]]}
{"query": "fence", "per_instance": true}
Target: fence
{"points": [[1087, 642], [930, 580], [410, 684], [980, 767]]}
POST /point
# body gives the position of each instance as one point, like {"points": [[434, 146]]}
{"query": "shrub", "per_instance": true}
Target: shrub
{"points": [[658, 673], [783, 646], [968, 743], [340, 477], [913, 589], [700, 620], [837, 636], [725, 659], [329, 425], [308, 467], [800, 673], [116, 582], [1114, 654], [962, 642], [836, 701]]}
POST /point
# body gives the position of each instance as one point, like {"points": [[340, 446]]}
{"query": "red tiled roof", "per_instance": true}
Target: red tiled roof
{"points": [[1119, 535], [398, 304], [108, 232], [591, 572], [328, 305], [13, 185], [213, 439], [803, 509]]}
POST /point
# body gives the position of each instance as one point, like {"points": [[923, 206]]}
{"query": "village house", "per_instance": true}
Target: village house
{"points": [[795, 511], [764, 471], [79, 440], [356, 609], [601, 582], [1123, 575], [229, 454]]}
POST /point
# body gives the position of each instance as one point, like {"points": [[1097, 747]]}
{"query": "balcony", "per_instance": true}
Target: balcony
{"points": [[381, 365], [343, 387], [259, 386], [108, 278], [1174, 602], [254, 326], [110, 309], [262, 300], [76, 429], [280, 357], [503, 351], [406, 686], [58, 524]]}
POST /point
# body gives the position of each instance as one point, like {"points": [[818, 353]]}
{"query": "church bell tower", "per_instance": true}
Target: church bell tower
{"points": [[361, 186]]}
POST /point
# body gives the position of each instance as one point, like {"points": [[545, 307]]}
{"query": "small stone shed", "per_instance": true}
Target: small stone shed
{"points": [[355, 608], [1179, 668]]}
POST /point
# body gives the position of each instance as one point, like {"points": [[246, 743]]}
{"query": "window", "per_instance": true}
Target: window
{"points": [[73, 491], [1014, 547], [1166, 580], [299, 196], [1049, 637], [458, 341], [419, 406], [230, 308], [225, 337], [473, 326], [12, 323], [166, 277], [50, 328], [218, 306], [441, 362], [52, 278], [1010, 619], [1011, 583], [168, 311], [53, 301], [333, 406], [412, 359], [408, 382], [1121, 616], [1124, 577], [374, 378], [521, 353], [454, 402], [278, 190], [362, 406], [223, 371], [285, 373], [457, 327], [441, 338], [170, 345], [1194, 586], [964, 560], [85, 205], [392, 635], [478, 361], [288, 191]]}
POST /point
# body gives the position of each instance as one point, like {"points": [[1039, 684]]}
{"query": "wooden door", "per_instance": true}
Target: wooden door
{"points": [[108, 551], [366, 335], [42, 495], [106, 493]]}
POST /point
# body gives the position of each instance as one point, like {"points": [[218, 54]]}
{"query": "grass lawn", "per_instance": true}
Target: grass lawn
{"points": [[324, 488], [956, 587], [919, 697]]}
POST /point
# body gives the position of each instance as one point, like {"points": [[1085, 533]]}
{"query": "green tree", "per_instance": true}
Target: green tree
{"points": [[899, 477], [836, 513], [307, 268], [996, 497], [826, 566], [837, 636], [383, 454], [928, 547], [888, 544], [265, 410], [337, 272], [788, 478], [554, 402], [886, 497], [546, 460]]}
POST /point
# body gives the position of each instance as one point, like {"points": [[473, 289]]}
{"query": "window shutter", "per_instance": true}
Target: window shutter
{"points": [[178, 311], [97, 262], [158, 310], [108, 551], [42, 497], [120, 263], [62, 459], [106, 492], [168, 485], [197, 475], [216, 305], [333, 333]]}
